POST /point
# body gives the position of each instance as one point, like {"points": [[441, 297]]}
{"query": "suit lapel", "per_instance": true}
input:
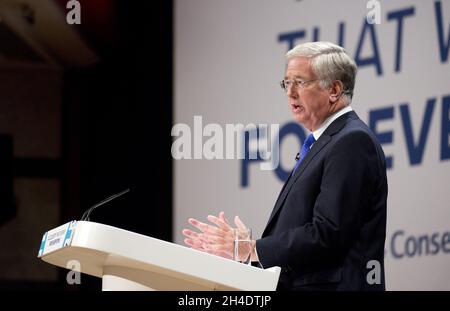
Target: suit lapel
{"points": [[290, 182], [282, 189], [324, 139]]}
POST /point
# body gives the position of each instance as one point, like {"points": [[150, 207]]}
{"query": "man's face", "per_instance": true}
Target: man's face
{"points": [[309, 103]]}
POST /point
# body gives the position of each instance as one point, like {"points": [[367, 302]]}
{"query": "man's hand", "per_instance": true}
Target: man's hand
{"points": [[217, 239]]}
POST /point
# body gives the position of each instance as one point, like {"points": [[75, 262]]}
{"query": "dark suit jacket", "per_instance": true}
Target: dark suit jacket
{"points": [[329, 220]]}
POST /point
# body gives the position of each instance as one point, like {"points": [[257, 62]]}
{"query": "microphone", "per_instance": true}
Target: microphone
{"points": [[88, 212], [297, 157]]}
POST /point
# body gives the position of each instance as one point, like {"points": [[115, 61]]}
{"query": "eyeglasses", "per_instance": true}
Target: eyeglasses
{"points": [[298, 84]]}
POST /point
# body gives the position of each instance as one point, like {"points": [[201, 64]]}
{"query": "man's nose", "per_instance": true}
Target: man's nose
{"points": [[292, 92]]}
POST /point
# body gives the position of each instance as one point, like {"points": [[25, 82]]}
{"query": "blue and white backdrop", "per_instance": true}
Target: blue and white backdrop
{"points": [[229, 59]]}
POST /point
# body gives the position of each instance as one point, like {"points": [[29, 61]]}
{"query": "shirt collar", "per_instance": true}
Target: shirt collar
{"points": [[317, 133]]}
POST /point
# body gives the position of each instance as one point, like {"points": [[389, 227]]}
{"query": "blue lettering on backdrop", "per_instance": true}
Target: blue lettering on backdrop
{"points": [[316, 32], [341, 33], [375, 58], [445, 128], [376, 116], [443, 47], [291, 37], [415, 147], [415, 152], [245, 163], [399, 15], [290, 128], [402, 245], [393, 239]]}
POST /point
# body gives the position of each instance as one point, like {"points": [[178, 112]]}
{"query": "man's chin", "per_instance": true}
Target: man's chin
{"points": [[298, 116]]}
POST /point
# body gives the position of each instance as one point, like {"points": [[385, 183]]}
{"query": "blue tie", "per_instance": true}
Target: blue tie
{"points": [[305, 149]]}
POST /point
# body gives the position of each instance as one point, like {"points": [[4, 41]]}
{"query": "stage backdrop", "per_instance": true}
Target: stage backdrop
{"points": [[229, 59]]}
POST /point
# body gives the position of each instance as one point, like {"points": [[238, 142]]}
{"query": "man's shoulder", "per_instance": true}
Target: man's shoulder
{"points": [[354, 138], [355, 134], [355, 128]]}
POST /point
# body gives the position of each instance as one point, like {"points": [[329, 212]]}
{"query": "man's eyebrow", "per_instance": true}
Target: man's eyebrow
{"points": [[296, 77]]}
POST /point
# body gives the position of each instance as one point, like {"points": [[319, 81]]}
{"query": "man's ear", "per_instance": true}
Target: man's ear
{"points": [[336, 90]]}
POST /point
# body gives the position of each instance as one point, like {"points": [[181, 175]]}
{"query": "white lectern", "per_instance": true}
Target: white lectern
{"points": [[129, 261]]}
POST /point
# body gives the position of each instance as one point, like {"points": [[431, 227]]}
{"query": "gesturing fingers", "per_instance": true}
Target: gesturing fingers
{"points": [[206, 228], [224, 219], [220, 223], [239, 223], [214, 239], [190, 233], [196, 244], [194, 239]]}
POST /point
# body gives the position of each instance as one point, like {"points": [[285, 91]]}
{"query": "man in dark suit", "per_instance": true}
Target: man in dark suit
{"points": [[327, 229]]}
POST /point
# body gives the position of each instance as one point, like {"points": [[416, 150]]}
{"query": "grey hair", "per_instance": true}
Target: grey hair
{"points": [[329, 62]]}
